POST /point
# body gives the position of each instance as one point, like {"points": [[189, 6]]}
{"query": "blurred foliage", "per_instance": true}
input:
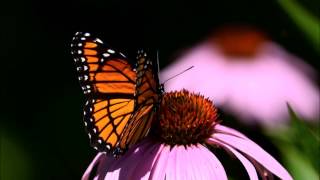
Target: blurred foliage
{"points": [[15, 161], [306, 21], [299, 147]]}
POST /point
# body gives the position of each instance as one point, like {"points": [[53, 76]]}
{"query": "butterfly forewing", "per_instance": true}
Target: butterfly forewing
{"points": [[108, 81], [101, 69]]}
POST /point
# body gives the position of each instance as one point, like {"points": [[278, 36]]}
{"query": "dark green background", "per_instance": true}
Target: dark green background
{"points": [[42, 134]]}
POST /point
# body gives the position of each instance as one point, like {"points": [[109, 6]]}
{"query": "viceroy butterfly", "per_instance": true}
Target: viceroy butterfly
{"points": [[122, 97]]}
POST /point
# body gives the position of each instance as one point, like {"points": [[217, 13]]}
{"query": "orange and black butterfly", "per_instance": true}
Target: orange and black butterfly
{"points": [[122, 97]]}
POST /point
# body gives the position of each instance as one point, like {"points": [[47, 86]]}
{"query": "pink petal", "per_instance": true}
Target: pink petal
{"points": [[227, 130], [135, 164], [211, 162], [256, 152], [264, 173], [194, 168], [158, 170], [246, 163], [240, 84], [171, 165], [96, 160], [199, 171], [181, 165], [143, 168], [192, 163], [101, 160], [187, 166]]}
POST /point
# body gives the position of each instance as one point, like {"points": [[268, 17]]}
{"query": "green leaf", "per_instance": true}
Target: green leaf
{"points": [[298, 166], [300, 139], [15, 162], [307, 22]]}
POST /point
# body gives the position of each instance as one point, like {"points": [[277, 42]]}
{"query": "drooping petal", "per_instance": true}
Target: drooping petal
{"points": [[190, 163], [190, 169], [144, 164], [97, 161], [136, 163], [213, 164], [251, 149], [187, 166], [171, 165], [181, 163], [246, 163], [264, 173], [158, 169], [227, 130]]}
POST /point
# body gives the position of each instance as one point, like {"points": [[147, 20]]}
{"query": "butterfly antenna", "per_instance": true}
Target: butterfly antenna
{"points": [[158, 62], [178, 74]]}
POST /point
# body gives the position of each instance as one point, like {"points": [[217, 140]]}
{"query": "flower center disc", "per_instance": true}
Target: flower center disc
{"points": [[184, 119]]}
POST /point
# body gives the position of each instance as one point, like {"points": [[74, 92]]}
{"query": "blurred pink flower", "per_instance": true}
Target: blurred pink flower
{"points": [[249, 76], [177, 149]]}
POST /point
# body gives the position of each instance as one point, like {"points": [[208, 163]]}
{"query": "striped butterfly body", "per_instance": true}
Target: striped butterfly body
{"points": [[122, 98]]}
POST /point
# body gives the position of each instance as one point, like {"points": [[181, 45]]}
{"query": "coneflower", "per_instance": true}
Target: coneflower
{"points": [[176, 147], [249, 76]]}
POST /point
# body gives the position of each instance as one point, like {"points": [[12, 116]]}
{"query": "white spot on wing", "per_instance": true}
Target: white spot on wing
{"points": [[87, 34], [106, 54], [99, 40], [111, 51]]}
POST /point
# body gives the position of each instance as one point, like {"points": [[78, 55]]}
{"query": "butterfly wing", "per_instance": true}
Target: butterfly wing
{"points": [[146, 101], [108, 81]]}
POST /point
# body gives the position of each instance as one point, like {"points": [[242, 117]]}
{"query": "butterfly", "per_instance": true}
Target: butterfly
{"points": [[122, 96]]}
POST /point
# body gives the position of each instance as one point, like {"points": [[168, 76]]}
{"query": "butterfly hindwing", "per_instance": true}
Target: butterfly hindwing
{"points": [[147, 98], [108, 81]]}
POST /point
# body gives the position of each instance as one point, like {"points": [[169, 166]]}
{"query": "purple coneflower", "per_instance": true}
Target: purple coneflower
{"points": [[248, 76], [176, 147]]}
